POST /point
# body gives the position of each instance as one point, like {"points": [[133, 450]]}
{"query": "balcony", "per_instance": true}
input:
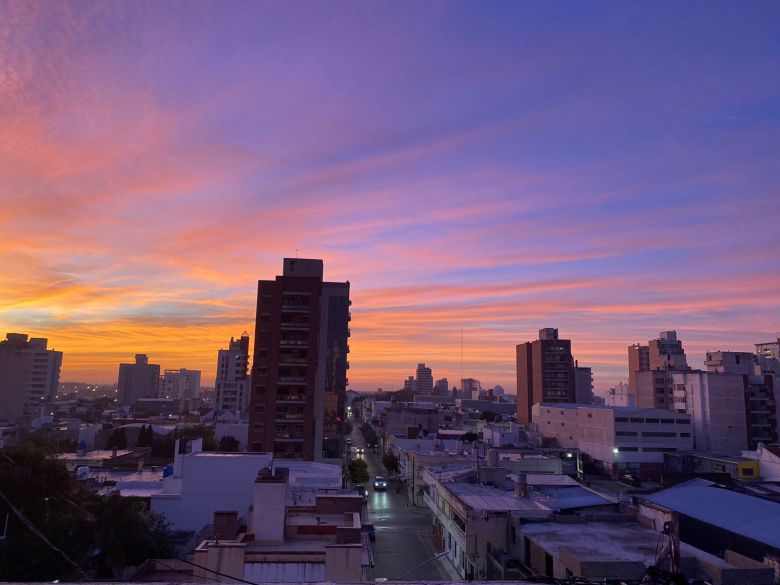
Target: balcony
{"points": [[294, 308], [288, 438], [288, 342], [290, 398], [291, 380], [290, 418]]}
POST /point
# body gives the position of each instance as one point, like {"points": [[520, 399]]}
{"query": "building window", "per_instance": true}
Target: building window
{"points": [[259, 407], [685, 434]]}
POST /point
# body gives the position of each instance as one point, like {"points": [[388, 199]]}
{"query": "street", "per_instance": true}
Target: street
{"points": [[403, 534]]}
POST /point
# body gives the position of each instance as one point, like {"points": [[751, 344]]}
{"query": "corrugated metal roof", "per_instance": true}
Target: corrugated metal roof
{"points": [[741, 514]]}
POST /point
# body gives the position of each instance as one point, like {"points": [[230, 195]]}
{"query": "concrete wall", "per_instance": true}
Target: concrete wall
{"points": [[343, 562]]}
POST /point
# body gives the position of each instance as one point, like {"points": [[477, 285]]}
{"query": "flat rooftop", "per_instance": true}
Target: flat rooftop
{"points": [[608, 541], [103, 454], [480, 497]]}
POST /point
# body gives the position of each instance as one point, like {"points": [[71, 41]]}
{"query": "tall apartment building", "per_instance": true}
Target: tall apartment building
{"points": [[545, 373], [441, 387], [423, 381], [583, 384], [29, 375], [137, 380], [182, 385], [650, 368], [299, 375], [232, 382], [470, 388]]}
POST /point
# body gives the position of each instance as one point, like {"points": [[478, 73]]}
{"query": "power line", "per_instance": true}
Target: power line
{"points": [[218, 573], [40, 535], [159, 562], [42, 483]]}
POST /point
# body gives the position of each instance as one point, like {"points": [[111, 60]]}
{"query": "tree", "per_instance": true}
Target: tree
{"points": [[101, 534], [358, 471], [390, 461], [228, 443], [117, 439], [488, 416], [145, 436], [369, 434], [469, 437]]}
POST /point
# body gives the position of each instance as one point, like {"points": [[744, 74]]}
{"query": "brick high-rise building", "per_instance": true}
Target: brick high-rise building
{"points": [[299, 374], [545, 373]]}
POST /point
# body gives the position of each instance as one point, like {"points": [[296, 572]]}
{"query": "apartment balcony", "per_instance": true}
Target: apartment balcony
{"points": [[293, 343], [291, 308], [291, 379], [294, 326], [680, 406], [289, 438], [292, 362], [290, 399], [290, 418]]}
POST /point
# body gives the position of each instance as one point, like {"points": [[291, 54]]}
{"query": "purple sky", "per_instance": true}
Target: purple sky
{"points": [[610, 169]]}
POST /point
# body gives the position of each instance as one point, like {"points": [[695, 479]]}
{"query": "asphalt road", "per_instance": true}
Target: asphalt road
{"points": [[403, 546]]}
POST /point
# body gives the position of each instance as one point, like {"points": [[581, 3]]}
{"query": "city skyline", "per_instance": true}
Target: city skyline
{"points": [[606, 170]]}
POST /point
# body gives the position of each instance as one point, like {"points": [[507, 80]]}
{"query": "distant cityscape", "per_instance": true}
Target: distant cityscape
{"points": [[280, 458]]}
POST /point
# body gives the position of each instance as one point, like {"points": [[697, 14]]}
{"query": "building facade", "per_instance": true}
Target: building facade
{"points": [[138, 380], [650, 368], [545, 373], [29, 375], [232, 382], [583, 384], [616, 439], [182, 385], [299, 374], [423, 381]]}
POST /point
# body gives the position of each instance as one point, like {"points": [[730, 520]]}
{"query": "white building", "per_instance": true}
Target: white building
{"points": [[617, 439], [619, 396], [29, 375], [716, 404], [205, 482], [180, 384], [232, 384]]}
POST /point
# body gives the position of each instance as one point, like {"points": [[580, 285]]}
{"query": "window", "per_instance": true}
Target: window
{"points": [[667, 421], [259, 407], [659, 449], [620, 419], [682, 421], [658, 434], [628, 449], [625, 433], [651, 420], [685, 434], [636, 420]]}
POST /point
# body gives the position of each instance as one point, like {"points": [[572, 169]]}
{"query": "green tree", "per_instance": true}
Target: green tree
{"points": [[117, 439], [390, 461], [369, 434], [101, 535], [488, 416], [228, 443], [358, 471]]}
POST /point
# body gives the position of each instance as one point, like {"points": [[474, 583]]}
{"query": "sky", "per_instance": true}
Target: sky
{"points": [[476, 170]]}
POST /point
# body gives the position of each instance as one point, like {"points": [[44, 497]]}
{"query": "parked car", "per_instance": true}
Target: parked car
{"points": [[379, 483], [631, 479], [369, 529], [348, 441]]}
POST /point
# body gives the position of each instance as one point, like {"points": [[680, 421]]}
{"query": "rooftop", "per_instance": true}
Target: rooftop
{"points": [[748, 516], [479, 497], [608, 541]]}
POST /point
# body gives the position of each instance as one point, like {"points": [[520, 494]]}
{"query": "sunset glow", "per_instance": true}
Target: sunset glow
{"points": [[474, 169]]}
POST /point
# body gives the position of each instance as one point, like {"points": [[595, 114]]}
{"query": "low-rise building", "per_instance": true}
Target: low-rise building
{"points": [[704, 463], [617, 440], [470, 519]]}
